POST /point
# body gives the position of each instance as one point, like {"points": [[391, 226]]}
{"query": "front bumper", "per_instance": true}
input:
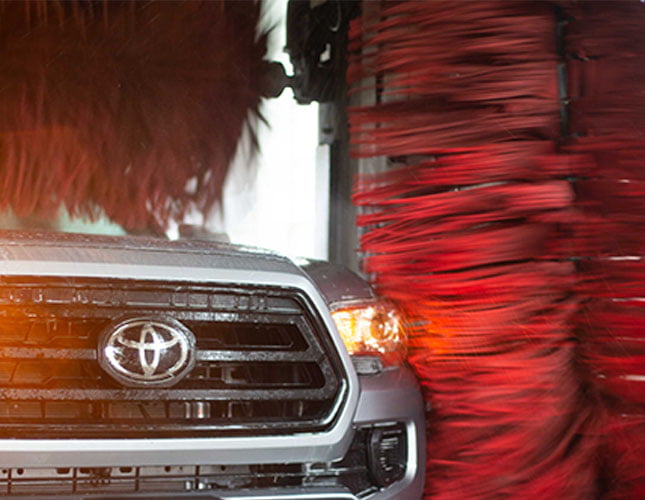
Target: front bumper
{"points": [[117, 469]]}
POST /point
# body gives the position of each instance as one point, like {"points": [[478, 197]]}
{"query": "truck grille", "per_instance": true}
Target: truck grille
{"points": [[264, 364]]}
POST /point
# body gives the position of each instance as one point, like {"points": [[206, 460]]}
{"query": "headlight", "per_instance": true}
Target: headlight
{"points": [[371, 328]]}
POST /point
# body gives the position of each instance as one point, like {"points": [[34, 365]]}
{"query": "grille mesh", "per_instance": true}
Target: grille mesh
{"points": [[263, 365], [348, 474]]}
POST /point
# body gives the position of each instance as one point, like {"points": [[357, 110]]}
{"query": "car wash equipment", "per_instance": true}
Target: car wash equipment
{"points": [[131, 109], [500, 145]]}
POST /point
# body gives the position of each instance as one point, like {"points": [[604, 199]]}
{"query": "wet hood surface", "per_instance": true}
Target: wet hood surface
{"points": [[25, 246]]}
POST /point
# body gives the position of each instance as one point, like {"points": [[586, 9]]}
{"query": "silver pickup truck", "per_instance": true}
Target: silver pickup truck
{"points": [[140, 368]]}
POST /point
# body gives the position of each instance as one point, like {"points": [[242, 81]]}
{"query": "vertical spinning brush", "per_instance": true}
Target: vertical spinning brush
{"points": [[469, 230], [605, 42]]}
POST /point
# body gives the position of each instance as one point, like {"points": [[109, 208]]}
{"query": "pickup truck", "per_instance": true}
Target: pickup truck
{"points": [[144, 368]]}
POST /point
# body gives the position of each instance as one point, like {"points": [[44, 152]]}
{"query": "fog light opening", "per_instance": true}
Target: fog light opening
{"points": [[387, 454]]}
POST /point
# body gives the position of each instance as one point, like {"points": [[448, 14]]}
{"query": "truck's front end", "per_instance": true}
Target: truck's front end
{"points": [[140, 368]]}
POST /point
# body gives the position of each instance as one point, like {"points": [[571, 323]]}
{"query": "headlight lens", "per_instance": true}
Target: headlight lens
{"points": [[372, 328]]}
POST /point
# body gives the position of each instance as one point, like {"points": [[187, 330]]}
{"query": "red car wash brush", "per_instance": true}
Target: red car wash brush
{"points": [[469, 229], [604, 43], [131, 108]]}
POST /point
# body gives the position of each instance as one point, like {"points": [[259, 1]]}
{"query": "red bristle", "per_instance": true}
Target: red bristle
{"points": [[119, 106], [605, 42], [465, 232]]}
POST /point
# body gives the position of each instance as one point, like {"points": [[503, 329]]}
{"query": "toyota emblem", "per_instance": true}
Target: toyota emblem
{"points": [[144, 352]]}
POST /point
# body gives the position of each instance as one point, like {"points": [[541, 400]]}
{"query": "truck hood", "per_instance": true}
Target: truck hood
{"points": [[26, 252]]}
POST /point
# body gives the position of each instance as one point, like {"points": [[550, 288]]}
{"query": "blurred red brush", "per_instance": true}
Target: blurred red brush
{"points": [[605, 42], [467, 234], [130, 108]]}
